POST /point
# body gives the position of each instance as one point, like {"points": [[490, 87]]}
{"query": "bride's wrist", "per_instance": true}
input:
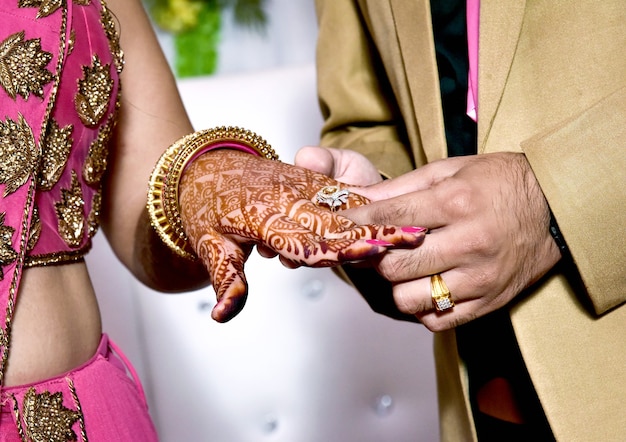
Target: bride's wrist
{"points": [[163, 205]]}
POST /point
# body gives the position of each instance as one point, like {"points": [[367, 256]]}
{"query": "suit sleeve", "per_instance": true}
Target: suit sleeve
{"points": [[359, 113], [581, 167], [355, 96]]}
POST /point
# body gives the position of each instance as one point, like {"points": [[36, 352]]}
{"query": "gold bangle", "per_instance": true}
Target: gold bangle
{"points": [[163, 205]]}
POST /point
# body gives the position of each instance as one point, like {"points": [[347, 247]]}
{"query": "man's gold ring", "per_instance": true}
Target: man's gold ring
{"points": [[440, 293]]}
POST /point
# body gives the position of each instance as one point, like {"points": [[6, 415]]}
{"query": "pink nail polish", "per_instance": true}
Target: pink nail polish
{"points": [[412, 229], [379, 242]]}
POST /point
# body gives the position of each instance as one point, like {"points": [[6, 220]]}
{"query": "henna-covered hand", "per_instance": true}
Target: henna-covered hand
{"points": [[231, 201]]}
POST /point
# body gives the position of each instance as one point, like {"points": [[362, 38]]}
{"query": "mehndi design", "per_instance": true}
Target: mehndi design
{"points": [[229, 198]]}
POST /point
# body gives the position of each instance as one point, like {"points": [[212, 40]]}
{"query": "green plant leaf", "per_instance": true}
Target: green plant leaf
{"points": [[196, 49]]}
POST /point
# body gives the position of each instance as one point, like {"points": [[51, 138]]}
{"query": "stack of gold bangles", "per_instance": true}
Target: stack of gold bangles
{"points": [[163, 206]]}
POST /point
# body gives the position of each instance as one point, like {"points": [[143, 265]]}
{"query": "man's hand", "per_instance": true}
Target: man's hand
{"points": [[489, 237], [346, 166]]}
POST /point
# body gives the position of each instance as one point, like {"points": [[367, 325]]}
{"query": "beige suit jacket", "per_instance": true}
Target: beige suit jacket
{"points": [[552, 84]]}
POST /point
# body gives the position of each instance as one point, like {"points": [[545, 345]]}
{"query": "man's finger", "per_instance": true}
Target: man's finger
{"points": [[419, 208], [317, 159]]}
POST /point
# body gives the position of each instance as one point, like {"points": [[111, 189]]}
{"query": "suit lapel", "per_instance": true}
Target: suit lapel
{"points": [[414, 31], [500, 27]]}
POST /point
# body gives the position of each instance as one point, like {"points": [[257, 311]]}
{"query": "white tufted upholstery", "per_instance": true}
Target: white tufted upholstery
{"points": [[307, 360]]}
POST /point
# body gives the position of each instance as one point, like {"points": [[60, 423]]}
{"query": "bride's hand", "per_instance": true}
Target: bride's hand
{"points": [[231, 201]]}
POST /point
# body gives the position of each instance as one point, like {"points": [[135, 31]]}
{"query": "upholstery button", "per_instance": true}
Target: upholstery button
{"points": [[270, 424], [384, 404], [205, 306], [313, 288]]}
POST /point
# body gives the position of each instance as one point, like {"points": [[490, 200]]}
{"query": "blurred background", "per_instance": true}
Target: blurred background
{"points": [[307, 360]]}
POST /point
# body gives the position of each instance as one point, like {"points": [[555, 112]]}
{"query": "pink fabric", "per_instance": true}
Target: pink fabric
{"points": [[110, 395], [16, 207], [83, 21], [90, 40], [223, 145], [473, 20], [25, 112]]}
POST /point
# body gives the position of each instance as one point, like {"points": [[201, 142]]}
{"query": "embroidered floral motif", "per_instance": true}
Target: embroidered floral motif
{"points": [[55, 151], [94, 92], [93, 220], [47, 419], [46, 7], [70, 213], [23, 66], [18, 154], [114, 38], [7, 253], [35, 229], [71, 41], [96, 162]]}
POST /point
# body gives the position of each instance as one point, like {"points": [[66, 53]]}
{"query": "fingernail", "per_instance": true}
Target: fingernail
{"points": [[413, 229], [379, 242]]}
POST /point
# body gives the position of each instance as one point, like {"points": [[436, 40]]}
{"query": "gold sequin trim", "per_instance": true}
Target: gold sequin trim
{"points": [[23, 66], [108, 23], [18, 153], [93, 220], [96, 161], [94, 92], [7, 253], [71, 41], [4, 340], [56, 148], [35, 229], [70, 213], [81, 417], [56, 258]]}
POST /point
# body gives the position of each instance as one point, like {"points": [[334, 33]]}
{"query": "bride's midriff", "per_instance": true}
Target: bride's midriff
{"points": [[56, 326]]}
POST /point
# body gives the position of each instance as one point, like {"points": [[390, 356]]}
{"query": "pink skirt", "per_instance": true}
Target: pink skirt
{"points": [[100, 401]]}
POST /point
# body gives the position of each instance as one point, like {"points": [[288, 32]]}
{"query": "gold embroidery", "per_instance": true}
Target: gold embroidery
{"points": [[71, 41], [35, 229], [82, 2], [29, 197], [114, 38], [47, 419], [96, 162], [64, 257], [55, 153], [70, 213], [81, 417], [23, 66], [94, 92], [3, 338], [93, 220], [7, 253], [46, 7], [18, 154]]}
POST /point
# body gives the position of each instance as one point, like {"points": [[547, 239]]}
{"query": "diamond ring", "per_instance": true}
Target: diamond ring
{"points": [[440, 293], [332, 196]]}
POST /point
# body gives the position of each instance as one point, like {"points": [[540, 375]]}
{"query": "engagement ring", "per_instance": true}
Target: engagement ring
{"points": [[332, 196]]}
